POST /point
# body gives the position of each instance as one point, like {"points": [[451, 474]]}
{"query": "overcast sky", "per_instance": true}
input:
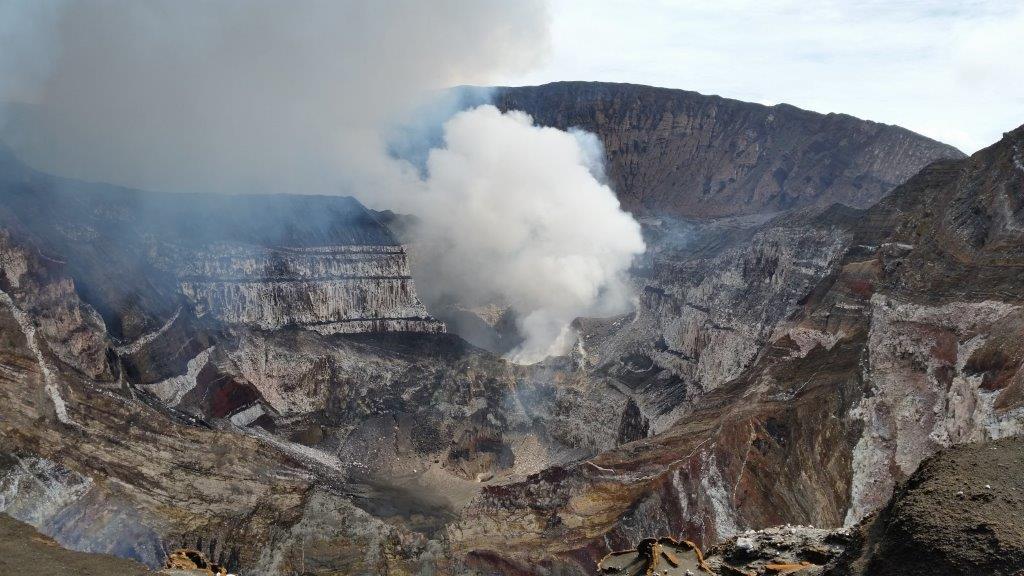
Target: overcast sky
{"points": [[949, 69], [952, 70]]}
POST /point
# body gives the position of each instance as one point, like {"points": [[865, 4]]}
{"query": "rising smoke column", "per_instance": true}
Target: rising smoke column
{"points": [[513, 210], [241, 96]]}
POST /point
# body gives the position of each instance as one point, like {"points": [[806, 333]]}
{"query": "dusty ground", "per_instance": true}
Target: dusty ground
{"points": [[26, 552], [961, 513]]}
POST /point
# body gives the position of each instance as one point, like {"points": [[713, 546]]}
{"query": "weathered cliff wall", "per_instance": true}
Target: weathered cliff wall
{"points": [[176, 388], [681, 153], [331, 289]]}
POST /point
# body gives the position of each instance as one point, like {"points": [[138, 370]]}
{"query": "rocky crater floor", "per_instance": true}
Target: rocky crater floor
{"points": [[959, 514]]}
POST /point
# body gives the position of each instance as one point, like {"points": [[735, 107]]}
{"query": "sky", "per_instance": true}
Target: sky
{"points": [[951, 70]]}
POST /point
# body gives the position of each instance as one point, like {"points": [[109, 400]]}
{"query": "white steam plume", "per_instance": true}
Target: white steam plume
{"points": [[515, 211], [279, 96]]}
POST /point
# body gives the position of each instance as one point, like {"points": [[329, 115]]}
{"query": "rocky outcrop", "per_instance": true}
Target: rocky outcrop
{"points": [[122, 427], [705, 312], [193, 562], [679, 153], [923, 396], [803, 550]]}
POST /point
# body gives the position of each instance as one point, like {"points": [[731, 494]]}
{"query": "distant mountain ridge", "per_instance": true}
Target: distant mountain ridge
{"points": [[680, 153]]}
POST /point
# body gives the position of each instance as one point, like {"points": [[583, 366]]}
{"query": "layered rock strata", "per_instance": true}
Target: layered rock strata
{"points": [[779, 370], [330, 289], [264, 262]]}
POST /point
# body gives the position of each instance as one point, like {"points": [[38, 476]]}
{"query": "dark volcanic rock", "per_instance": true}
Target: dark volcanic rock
{"points": [[959, 514], [681, 153]]}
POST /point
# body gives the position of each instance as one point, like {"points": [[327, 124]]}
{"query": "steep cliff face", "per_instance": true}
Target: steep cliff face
{"points": [[704, 173], [273, 450], [131, 324], [91, 464], [943, 368], [330, 289], [711, 296], [270, 443], [672, 152]]}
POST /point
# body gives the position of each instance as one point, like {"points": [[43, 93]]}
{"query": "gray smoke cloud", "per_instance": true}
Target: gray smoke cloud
{"points": [[244, 96]]}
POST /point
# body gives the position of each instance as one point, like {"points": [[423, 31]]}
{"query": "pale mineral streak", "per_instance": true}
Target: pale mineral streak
{"points": [[147, 339], [172, 390], [51, 383]]}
